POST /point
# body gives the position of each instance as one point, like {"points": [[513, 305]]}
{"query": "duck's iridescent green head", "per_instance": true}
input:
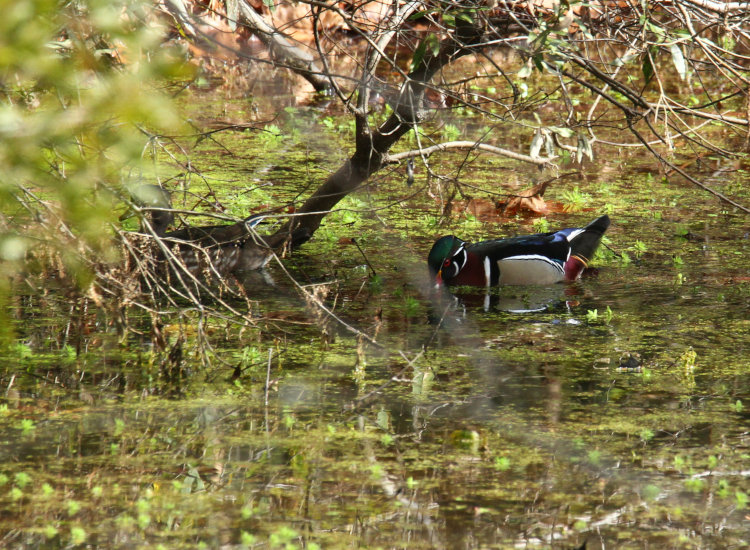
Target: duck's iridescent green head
{"points": [[442, 252]]}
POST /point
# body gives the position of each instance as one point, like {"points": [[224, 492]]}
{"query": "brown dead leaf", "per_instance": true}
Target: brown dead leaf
{"points": [[482, 209], [528, 200]]}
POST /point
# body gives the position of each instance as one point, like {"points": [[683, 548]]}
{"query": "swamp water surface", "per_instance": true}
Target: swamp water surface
{"points": [[613, 411]]}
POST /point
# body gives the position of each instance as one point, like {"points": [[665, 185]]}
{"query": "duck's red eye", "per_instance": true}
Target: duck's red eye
{"points": [[446, 263]]}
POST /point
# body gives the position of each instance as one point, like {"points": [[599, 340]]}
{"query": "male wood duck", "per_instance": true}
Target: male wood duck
{"points": [[225, 248], [540, 259]]}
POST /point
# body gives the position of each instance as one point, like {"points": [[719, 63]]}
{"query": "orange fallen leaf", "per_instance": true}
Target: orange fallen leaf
{"points": [[529, 200]]}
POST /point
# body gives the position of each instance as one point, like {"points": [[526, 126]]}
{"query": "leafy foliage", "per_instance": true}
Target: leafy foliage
{"points": [[78, 87]]}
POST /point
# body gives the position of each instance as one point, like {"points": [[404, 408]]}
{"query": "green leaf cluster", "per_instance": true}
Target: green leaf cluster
{"points": [[78, 91]]}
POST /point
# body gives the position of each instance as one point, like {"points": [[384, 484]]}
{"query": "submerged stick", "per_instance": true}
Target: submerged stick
{"points": [[268, 374]]}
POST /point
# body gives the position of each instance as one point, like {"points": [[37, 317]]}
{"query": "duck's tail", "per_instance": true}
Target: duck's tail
{"points": [[584, 243]]}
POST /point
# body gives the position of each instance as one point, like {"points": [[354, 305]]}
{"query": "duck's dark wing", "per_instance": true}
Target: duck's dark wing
{"points": [[553, 245], [211, 235], [216, 235]]}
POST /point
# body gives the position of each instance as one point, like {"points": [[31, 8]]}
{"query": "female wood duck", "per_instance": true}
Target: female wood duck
{"points": [[157, 202], [225, 248], [541, 259]]}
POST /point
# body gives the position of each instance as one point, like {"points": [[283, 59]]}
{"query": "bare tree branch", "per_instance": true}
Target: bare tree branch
{"points": [[427, 151]]}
